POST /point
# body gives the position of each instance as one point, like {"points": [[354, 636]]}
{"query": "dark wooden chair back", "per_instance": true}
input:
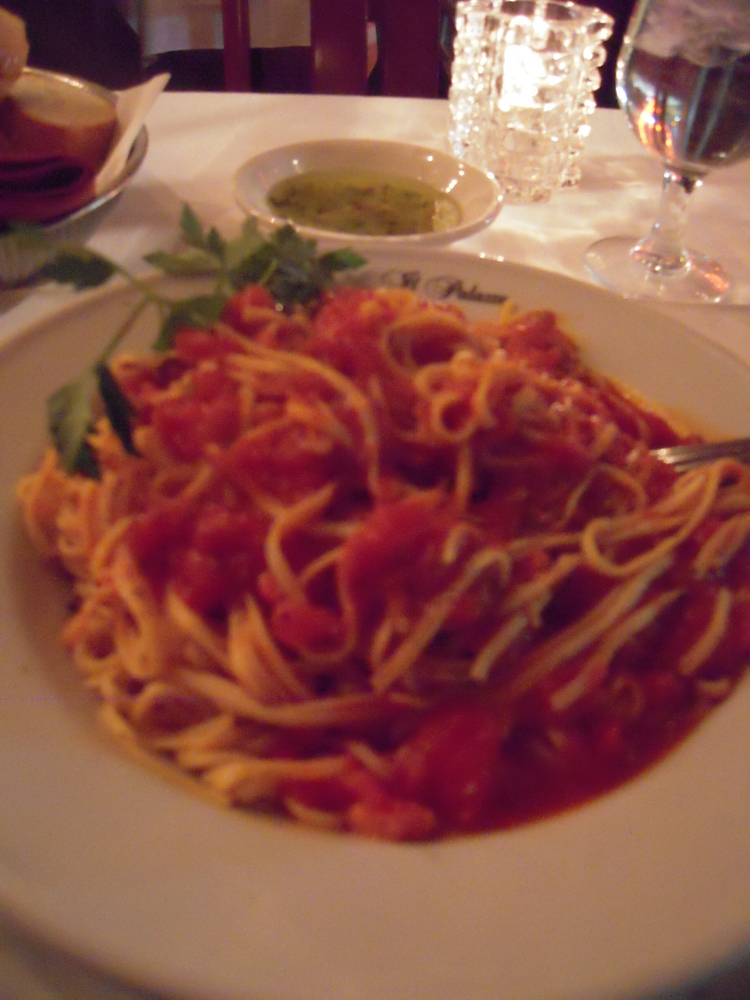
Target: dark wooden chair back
{"points": [[408, 33], [235, 16]]}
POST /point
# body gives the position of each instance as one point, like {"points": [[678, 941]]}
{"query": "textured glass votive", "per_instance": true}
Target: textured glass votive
{"points": [[522, 84]]}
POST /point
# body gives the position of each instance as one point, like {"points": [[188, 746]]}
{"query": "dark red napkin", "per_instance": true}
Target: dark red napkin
{"points": [[40, 190]]}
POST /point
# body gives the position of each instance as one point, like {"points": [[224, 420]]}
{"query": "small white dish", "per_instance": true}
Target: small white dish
{"points": [[477, 195]]}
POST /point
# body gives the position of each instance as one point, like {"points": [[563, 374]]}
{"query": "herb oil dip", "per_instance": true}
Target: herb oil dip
{"points": [[361, 202]]}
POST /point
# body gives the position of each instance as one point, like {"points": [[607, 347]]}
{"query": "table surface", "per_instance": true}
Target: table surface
{"points": [[196, 143]]}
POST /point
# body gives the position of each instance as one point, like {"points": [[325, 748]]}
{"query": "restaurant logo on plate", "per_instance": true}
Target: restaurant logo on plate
{"points": [[442, 287]]}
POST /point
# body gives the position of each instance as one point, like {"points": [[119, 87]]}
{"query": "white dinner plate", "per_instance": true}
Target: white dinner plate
{"points": [[635, 892], [478, 196]]}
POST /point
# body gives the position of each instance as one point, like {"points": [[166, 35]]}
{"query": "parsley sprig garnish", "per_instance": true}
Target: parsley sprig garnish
{"points": [[286, 264]]}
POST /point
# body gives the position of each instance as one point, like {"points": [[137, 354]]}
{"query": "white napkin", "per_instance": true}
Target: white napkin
{"points": [[132, 106]]}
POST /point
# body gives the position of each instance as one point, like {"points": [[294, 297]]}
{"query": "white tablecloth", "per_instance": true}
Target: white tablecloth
{"points": [[197, 142]]}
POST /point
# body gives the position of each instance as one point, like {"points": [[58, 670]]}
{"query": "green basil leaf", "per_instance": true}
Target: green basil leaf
{"points": [[191, 227], [243, 247], [86, 462], [215, 244], [69, 418], [341, 260], [203, 310], [185, 263], [79, 267], [117, 406], [255, 268]]}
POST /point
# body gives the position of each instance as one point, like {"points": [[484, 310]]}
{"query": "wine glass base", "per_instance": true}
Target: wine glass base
{"points": [[613, 263]]}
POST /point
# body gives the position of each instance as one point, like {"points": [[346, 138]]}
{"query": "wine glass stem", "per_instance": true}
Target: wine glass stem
{"points": [[663, 251]]}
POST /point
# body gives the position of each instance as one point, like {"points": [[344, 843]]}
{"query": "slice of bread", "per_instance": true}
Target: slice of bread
{"points": [[42, 190], [45, 115], [14, 49]]}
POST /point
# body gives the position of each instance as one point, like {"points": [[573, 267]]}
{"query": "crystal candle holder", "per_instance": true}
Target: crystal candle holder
{"points": [[522, 90]]}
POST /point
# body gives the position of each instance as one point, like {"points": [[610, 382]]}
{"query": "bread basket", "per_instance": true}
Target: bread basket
{"points": [[22, 253]]}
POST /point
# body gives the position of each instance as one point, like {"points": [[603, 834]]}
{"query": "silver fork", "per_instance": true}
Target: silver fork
{"points": [[683, 457]]}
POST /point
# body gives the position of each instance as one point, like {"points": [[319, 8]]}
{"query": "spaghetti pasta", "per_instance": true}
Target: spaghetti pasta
{"points": [[393, 571]]}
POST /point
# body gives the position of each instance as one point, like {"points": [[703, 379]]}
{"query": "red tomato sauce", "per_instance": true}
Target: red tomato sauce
{"points": [[473, 761]]}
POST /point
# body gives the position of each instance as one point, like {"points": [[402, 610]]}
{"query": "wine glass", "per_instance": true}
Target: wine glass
{"points": [[683, 79]]}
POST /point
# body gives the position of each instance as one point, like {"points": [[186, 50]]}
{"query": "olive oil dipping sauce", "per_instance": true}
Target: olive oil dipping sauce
{"points": [[363, 202]]}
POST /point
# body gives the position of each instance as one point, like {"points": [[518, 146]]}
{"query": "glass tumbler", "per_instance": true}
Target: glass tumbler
{"points": [[522, 90]]}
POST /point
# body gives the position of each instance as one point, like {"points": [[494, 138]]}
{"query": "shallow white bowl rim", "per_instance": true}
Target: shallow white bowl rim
{"points": [[478, 195]]}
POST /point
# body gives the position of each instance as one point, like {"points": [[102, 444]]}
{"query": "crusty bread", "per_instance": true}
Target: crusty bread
{"points": [[45, 115], [14, 49]]}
